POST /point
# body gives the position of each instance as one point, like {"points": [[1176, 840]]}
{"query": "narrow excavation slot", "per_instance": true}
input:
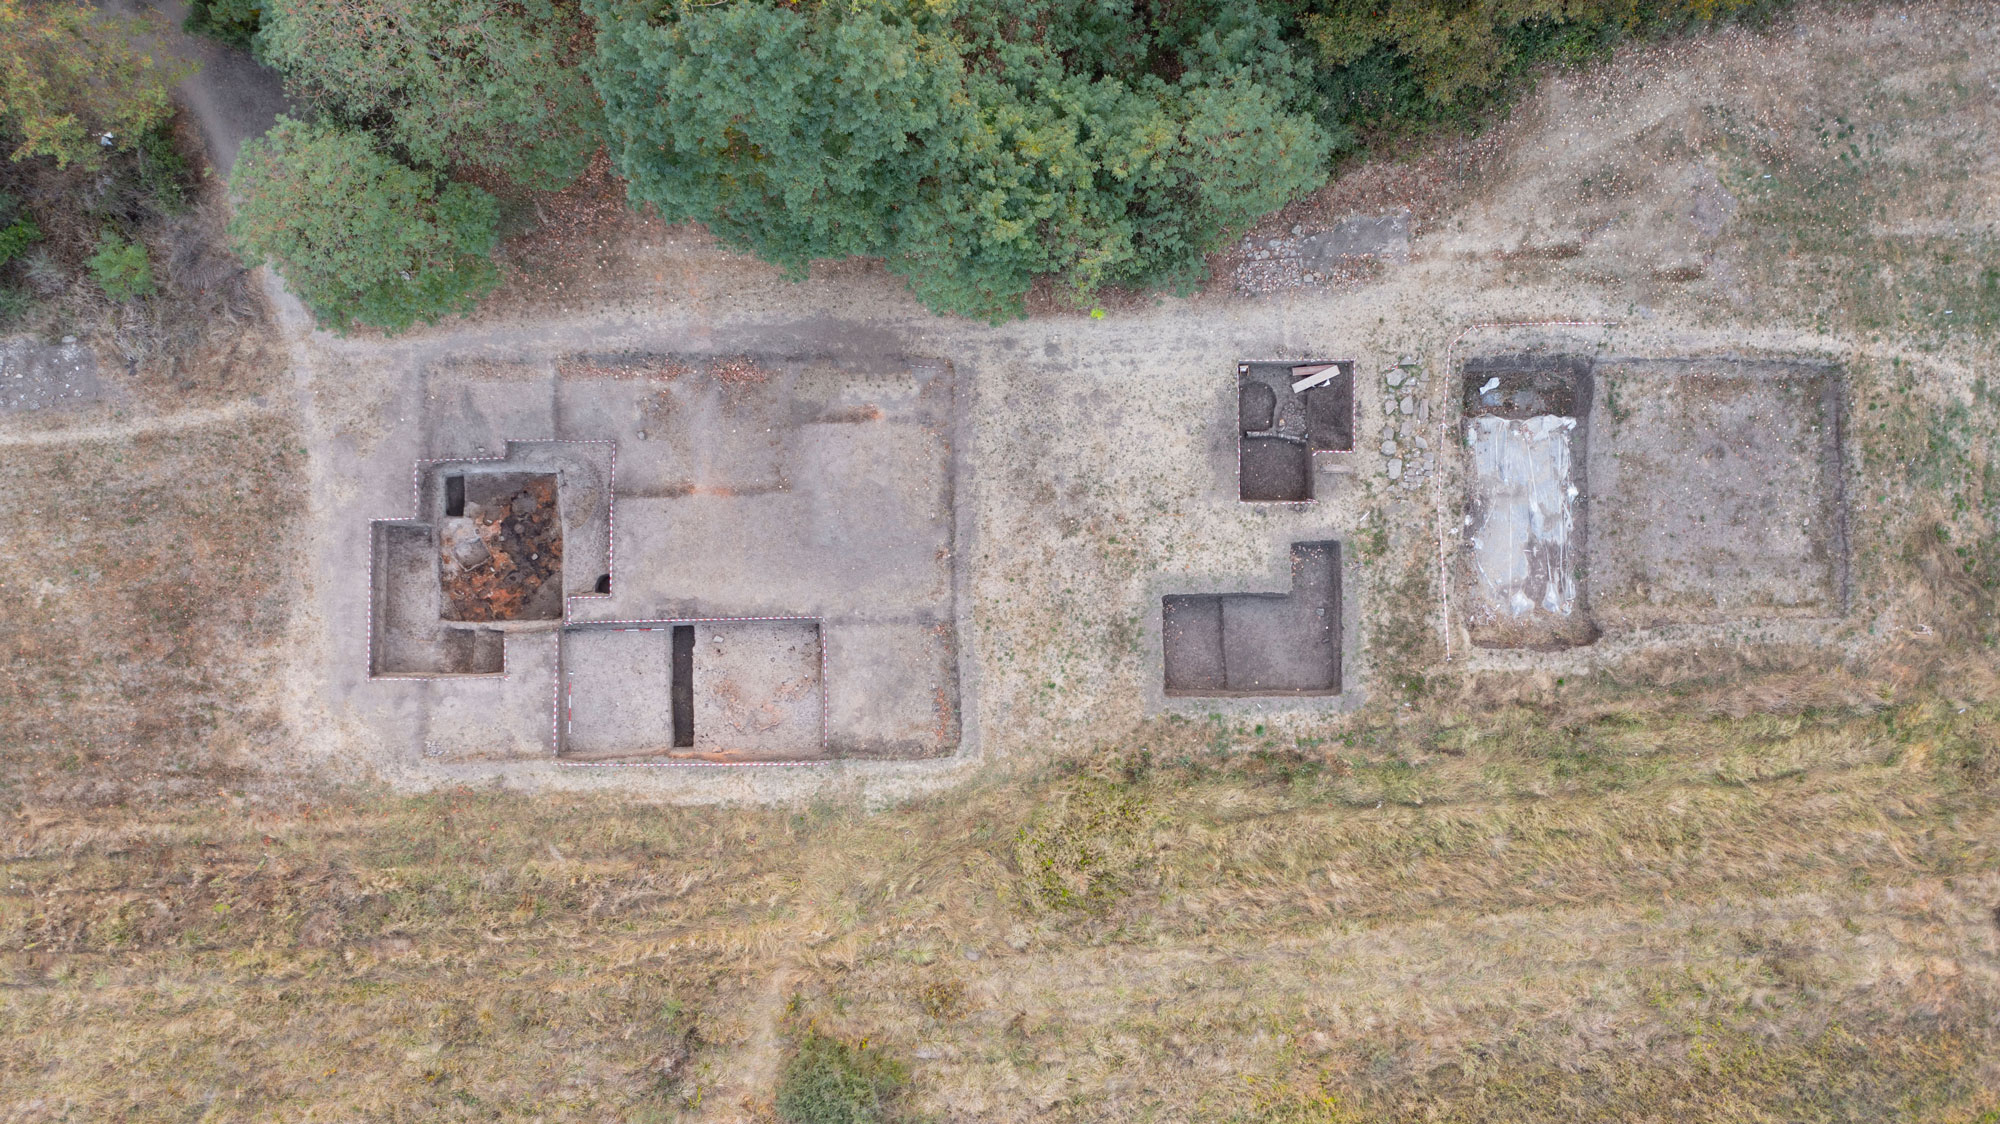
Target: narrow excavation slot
{"points": [[683, 689], [454, 496]]}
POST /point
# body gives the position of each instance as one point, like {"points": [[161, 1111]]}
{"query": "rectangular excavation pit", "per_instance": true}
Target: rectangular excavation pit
{"points": [[500, 558], [1259, 644], [1279, 429], [810, 488], [1718, 492], [618, 693], [710, 690], [1521, 569], [406, 638]]}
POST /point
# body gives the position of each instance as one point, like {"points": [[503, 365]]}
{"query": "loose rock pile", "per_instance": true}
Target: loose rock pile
{"points": [[1405, 444]]}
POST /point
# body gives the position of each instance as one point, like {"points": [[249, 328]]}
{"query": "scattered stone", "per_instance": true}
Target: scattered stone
{"points": [[34, 376], [1395, 467], [1395, 377], [1423, 409], [1408, 405], [1385, 237], [1388, 448]]}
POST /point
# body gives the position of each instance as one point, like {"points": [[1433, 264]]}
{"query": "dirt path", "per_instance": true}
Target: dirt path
{"points": [[237, 411]]}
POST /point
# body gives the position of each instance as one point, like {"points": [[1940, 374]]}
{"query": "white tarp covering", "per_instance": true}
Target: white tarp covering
{"points": [[1524, 513]]}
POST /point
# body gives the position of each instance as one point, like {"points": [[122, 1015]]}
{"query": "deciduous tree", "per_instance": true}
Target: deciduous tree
{"points": [[482, 82], [74, 83], [976, 147], [359, 237]]}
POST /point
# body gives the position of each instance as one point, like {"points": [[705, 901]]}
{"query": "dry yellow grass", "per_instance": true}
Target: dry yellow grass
{"points": [[142, 596], [1806, 933]]}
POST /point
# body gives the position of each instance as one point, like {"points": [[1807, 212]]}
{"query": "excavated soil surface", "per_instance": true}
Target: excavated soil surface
{"points": [[502, 559]]}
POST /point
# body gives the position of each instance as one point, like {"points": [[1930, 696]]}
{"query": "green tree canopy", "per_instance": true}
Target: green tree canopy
{"points": [[975, 146], [1399, 66], [359, 237], [69, 77], [491, 83]]}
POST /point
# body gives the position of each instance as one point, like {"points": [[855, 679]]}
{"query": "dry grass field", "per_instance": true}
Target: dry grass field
{"points": [[1754, 880]]}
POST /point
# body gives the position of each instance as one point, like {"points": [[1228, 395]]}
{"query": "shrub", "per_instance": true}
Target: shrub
{"points": [[481, 82], [828, 1081], [163, 173], [121, 268], [16, 237], [975, 147], [359, 237], [1391, 67]]}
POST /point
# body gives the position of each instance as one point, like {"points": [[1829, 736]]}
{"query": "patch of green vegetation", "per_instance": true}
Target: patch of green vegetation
{"points": [[17, 235], [975, 147], [1081, 850], [1385, 71], [446, 83], [829, 1081], [17, 232], [121, 268]]}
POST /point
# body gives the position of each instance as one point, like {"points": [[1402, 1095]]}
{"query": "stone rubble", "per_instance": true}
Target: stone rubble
{"points": [[1406, 454]]}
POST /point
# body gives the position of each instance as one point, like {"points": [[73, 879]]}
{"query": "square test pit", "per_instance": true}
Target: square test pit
{"points": [[1718, 491], [1279, 429]]}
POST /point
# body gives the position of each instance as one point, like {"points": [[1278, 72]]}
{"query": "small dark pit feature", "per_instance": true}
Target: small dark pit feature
{"points": [[1256, 405], [472, 651], [1275, 470], [454, 496], [603, 583]]}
